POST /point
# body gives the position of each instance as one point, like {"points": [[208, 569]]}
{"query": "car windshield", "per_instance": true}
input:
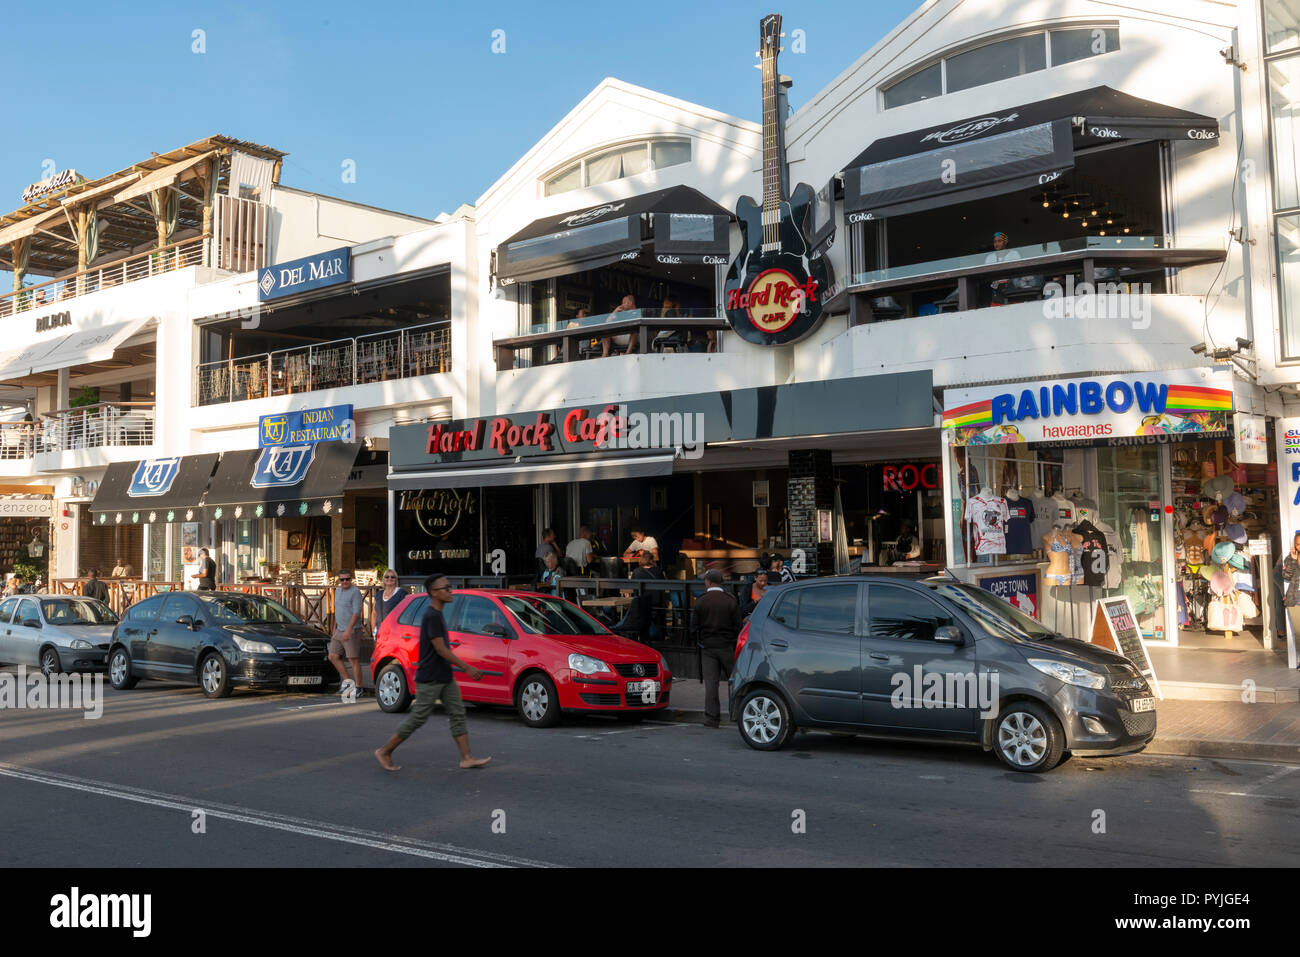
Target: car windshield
{"points": [[552, 616], [997, 615], [77, 611], [247, 608]]}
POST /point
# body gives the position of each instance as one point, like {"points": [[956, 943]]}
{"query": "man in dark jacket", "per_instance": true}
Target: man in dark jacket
{"points": [[715, 623], [95, 588]]}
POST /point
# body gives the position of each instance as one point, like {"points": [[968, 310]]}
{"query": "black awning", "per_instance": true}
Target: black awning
{"points": [[684, 224], [166, 490], [290, 480], [1005, 151]]}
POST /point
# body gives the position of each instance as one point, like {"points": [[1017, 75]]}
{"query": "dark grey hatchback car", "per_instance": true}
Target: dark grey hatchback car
{"points": [[936, 659]]}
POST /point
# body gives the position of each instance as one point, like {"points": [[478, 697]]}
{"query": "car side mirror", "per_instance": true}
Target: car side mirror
{"points": [[949, 635], [496, 630], [187, 621], [32, 623]]}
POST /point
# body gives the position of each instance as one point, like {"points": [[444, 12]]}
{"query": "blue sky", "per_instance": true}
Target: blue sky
{"points": [[411, 92]]}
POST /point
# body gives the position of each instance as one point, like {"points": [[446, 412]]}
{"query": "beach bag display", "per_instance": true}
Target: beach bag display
{"points": [[1223, 614], [1246, 604]]}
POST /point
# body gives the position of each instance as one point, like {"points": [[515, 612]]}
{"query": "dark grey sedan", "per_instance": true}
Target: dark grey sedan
{"points": [[936, 659], [57, 633]]}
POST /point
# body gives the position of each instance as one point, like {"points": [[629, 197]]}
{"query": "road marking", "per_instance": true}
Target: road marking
{"points": [[1241, 794], [604, 734], [1273, 777], [394, 843], [304, 707]]}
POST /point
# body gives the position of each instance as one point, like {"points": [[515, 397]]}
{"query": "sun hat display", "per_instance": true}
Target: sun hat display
{"points": [[1235, 503], [1239, 561], [1220, 516], [1207, 514], [1217, 488], [1208, 542], [1222, 552], [1220, 582], [1236, 533]]}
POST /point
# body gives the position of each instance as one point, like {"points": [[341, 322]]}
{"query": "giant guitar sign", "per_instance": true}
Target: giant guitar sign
{"points": [[775, 287]]}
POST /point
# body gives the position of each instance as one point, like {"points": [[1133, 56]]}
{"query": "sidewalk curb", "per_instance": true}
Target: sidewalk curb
{"points": [[1226, 748]]}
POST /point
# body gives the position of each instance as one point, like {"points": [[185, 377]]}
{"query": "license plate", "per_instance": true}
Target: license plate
{"points": [[648, 689], [304, 679], [1142, 704]]}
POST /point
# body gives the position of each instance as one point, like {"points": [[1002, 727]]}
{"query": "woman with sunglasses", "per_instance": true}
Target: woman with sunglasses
{"points": [[386, 601]]}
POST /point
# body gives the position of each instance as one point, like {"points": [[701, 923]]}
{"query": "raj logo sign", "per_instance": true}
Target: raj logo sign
{"points": [[300, 275], [282, 466], [154, 477]]}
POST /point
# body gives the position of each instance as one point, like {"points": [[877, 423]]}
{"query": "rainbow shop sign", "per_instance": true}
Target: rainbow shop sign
{"points": [[1130, 409]]}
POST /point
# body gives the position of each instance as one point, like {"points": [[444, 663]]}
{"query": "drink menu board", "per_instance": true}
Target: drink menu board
{"points": [[1114, 626]]}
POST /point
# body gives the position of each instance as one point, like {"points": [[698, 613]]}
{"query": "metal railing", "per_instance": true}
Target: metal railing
{"points": [[18, 440], [377, 357], [189, 252], [103, 425]]}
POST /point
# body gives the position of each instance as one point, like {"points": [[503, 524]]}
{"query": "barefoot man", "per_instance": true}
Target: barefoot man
{"points": [[433, 680]]}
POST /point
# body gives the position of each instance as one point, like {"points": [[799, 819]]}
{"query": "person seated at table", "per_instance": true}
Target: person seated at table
{"points": [[581, 552], [551, 575], [626, 341], [640, 542], [757, 589], [122, 570], [1000, 254]]}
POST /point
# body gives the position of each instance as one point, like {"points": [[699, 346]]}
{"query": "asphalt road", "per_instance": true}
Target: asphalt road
{"points": [[290, 780]]}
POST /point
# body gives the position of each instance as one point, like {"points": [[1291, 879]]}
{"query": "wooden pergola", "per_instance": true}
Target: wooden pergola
{"points": [[49, 236]]}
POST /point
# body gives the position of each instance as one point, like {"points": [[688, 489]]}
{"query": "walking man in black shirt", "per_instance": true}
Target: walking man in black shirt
{"points": [[715, 622], [433, 680]]}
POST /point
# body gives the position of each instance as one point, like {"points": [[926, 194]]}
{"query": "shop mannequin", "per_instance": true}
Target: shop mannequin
{"points": [[1044, 514], [1061, 548], [1020, 518], [988, 514]]}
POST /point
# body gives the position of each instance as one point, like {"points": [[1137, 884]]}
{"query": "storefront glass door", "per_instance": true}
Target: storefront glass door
{"points": [[1130, 497]]}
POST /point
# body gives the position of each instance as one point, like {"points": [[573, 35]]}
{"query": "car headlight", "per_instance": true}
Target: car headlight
{"points": [[1070, 674], [253, 647], [80, 644], [587, 666], [663, 665]]}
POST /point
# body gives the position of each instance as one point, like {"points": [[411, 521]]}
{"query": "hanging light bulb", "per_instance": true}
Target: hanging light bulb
{"points": [[1094, 212], [1125, 229], [1084, 224], [1103, 232], [1066, 214]]}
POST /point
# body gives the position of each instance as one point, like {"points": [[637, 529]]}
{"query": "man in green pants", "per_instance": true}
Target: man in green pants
{"points": [[433, 680]]}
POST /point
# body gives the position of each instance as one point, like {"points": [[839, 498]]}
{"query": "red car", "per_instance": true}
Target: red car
{"points": [[540, 653]]}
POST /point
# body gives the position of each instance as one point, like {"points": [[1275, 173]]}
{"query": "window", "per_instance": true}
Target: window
{"points": [[174, 607], [27, 611], [996, 61], [413, 612], [901, 613], [630, 159], [1000, 60], [926, 84], [1281, 26], [831, 609], [786, 610], [1071, 45], [7, 610], [474, 614], [146, 610]]}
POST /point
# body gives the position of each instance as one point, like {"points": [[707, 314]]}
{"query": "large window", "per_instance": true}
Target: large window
{"points": [[1282, 47], [1000, 60], [630, 159]]}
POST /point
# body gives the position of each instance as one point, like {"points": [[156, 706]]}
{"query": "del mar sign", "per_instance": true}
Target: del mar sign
{"points": [[300, 275]]}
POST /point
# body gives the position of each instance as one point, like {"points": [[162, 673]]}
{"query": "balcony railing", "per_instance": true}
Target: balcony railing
{"points": [[140, 266], [103, 425], [378, 357], [592, 337], [18, 440]]}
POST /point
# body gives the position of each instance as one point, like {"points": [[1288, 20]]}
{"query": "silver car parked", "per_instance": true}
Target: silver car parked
{"points": [[57, 633]]}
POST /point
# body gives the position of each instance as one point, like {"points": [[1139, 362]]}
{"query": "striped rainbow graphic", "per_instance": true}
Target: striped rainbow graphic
{"points": [[1195, 398], [975, 414]]}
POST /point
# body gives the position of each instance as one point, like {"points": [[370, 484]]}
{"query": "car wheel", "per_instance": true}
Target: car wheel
{"points": [[537, 702], [765, 720], [50, 662], [214, 676], [119, 670], [391, 690], [1028, 737]]}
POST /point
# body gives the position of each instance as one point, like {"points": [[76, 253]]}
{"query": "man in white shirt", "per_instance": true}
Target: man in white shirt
{"points": [[641, 542], [1000, 254], [580, 550]]}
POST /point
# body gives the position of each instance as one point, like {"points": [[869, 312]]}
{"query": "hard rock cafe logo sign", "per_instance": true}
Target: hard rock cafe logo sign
{"points": [[587, 216], [438, 512], [964, 131], [774, 299]]}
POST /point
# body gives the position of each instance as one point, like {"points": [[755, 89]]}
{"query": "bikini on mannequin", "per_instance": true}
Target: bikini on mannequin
{"points": [[1059, 547]]}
